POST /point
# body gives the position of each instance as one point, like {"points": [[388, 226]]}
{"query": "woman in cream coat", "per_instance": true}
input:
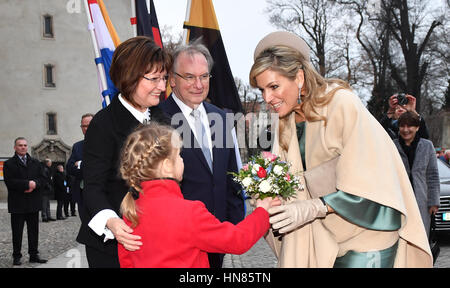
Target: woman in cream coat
{"points": [[360, 209]]}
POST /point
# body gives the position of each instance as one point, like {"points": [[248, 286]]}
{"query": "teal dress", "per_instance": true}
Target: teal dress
{"points": [[362, 212]]}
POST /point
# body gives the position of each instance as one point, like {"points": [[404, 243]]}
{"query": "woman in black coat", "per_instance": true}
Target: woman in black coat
{"points": [[139, 71]]}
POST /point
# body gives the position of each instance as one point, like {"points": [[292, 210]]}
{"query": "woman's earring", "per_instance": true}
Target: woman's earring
{"points": [[299, 100]]}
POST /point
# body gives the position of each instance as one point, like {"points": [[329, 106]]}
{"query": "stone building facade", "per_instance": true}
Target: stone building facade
{"points": [[48, 77]]}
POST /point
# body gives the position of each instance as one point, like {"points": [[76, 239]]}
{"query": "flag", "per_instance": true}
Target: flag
{"points": [[202, 22], [146, 20], [105, 40]]}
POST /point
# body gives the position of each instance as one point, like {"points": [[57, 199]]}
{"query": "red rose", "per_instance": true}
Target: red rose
{"points": [[262, 172]]}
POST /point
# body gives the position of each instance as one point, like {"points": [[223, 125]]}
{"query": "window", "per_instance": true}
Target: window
{"points": [[48, 26], [51, 124], [48, 75]]}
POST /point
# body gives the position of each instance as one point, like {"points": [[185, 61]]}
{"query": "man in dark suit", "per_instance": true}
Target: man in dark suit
{"points": [[74, 167], [208, 148], [24, 178]]}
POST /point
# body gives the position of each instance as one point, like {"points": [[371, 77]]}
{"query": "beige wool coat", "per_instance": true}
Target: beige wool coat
{"points": [[370, 167]]}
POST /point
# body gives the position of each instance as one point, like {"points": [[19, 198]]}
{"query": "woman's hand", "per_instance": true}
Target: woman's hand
{"points": [[122, 233], [433, 210], [411, 106], [393, 103]]}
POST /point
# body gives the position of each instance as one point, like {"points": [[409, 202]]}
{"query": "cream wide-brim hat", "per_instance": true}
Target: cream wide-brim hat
{"points": [[283, 38]]}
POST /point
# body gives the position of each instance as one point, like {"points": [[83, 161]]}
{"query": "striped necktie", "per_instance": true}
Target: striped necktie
{"points": [[24, 159]]}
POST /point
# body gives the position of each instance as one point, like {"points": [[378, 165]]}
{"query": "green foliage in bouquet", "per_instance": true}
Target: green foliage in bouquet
{"points": [[267, 176]]}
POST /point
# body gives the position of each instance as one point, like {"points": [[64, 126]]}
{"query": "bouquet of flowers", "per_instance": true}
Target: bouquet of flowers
{"points": [[267, 176]]}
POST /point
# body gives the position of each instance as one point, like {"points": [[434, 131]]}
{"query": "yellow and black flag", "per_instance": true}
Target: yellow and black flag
{"points": [[202, 22]]}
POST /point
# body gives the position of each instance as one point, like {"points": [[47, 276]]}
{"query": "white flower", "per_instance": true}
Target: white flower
{"points": [[255, 169], [278, 170], [264, 186], [247, 181]]}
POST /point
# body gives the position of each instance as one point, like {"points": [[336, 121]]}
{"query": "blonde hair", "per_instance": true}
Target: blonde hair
{"points": [[287, 62], [141, 155]]}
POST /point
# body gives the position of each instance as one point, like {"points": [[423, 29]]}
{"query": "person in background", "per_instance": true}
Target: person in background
{"points": [[60, 182], [74, 167], [138, 70], [47, 191], [420, 162], [389, 121], [69, 202], [24, 179], [206, 175], [447, 156]]}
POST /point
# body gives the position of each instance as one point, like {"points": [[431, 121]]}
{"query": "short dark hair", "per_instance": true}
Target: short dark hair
{"points": [[409, 118], [19, 138], [87, 115], [133, 59]]}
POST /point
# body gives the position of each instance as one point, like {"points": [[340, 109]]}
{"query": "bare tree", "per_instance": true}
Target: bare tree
{"points": [[170, 40], [375, 43], [412, 31], [310, 18]]}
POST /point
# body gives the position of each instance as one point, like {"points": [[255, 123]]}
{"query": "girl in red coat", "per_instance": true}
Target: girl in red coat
{"points": [[175, 232]]}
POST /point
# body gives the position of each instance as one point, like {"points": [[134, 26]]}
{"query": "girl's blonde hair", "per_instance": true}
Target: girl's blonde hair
{"points": [[287, 62], [141, 155]]}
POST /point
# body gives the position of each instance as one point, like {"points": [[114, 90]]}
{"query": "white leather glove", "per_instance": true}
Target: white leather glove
{"points": [[288, 217]]}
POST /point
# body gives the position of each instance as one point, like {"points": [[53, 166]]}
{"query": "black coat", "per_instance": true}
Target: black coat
{"points": [[77, 176], [60, 185], [103, 187], [17, 177], [47, 185]]}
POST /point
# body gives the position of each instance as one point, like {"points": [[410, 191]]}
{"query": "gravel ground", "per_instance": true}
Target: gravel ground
{"points": [[55, 238]]}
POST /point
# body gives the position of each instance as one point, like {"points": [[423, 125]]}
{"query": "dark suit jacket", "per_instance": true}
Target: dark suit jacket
{"points": [[103, 187], [60, 188], [220, 194], [72, 170], [17, 177]]}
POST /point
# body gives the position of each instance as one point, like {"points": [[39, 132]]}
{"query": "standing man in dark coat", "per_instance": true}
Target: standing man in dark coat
{"points": [[74, 167], [24, 179], [60, 185], [47, 190], [208, 147]]}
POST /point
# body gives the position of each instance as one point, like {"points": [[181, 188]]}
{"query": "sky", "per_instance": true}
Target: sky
{"points": [[242, 24]]}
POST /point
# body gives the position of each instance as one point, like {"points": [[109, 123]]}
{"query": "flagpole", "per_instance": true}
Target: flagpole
{"points": [[100, 67], [133, 19], [188, 13]]}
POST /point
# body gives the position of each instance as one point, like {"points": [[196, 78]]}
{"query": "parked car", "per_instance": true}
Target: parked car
{"points": [[442, 217]]}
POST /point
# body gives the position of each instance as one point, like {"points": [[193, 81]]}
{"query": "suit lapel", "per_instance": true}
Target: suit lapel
{"points": [[172, 109]]}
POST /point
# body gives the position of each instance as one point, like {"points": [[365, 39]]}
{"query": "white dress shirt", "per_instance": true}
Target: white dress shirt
{"points": [[186, 110]]}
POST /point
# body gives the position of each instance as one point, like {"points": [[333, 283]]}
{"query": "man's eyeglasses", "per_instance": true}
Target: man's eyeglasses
{"points": [[190, 79], [156, 80]]}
